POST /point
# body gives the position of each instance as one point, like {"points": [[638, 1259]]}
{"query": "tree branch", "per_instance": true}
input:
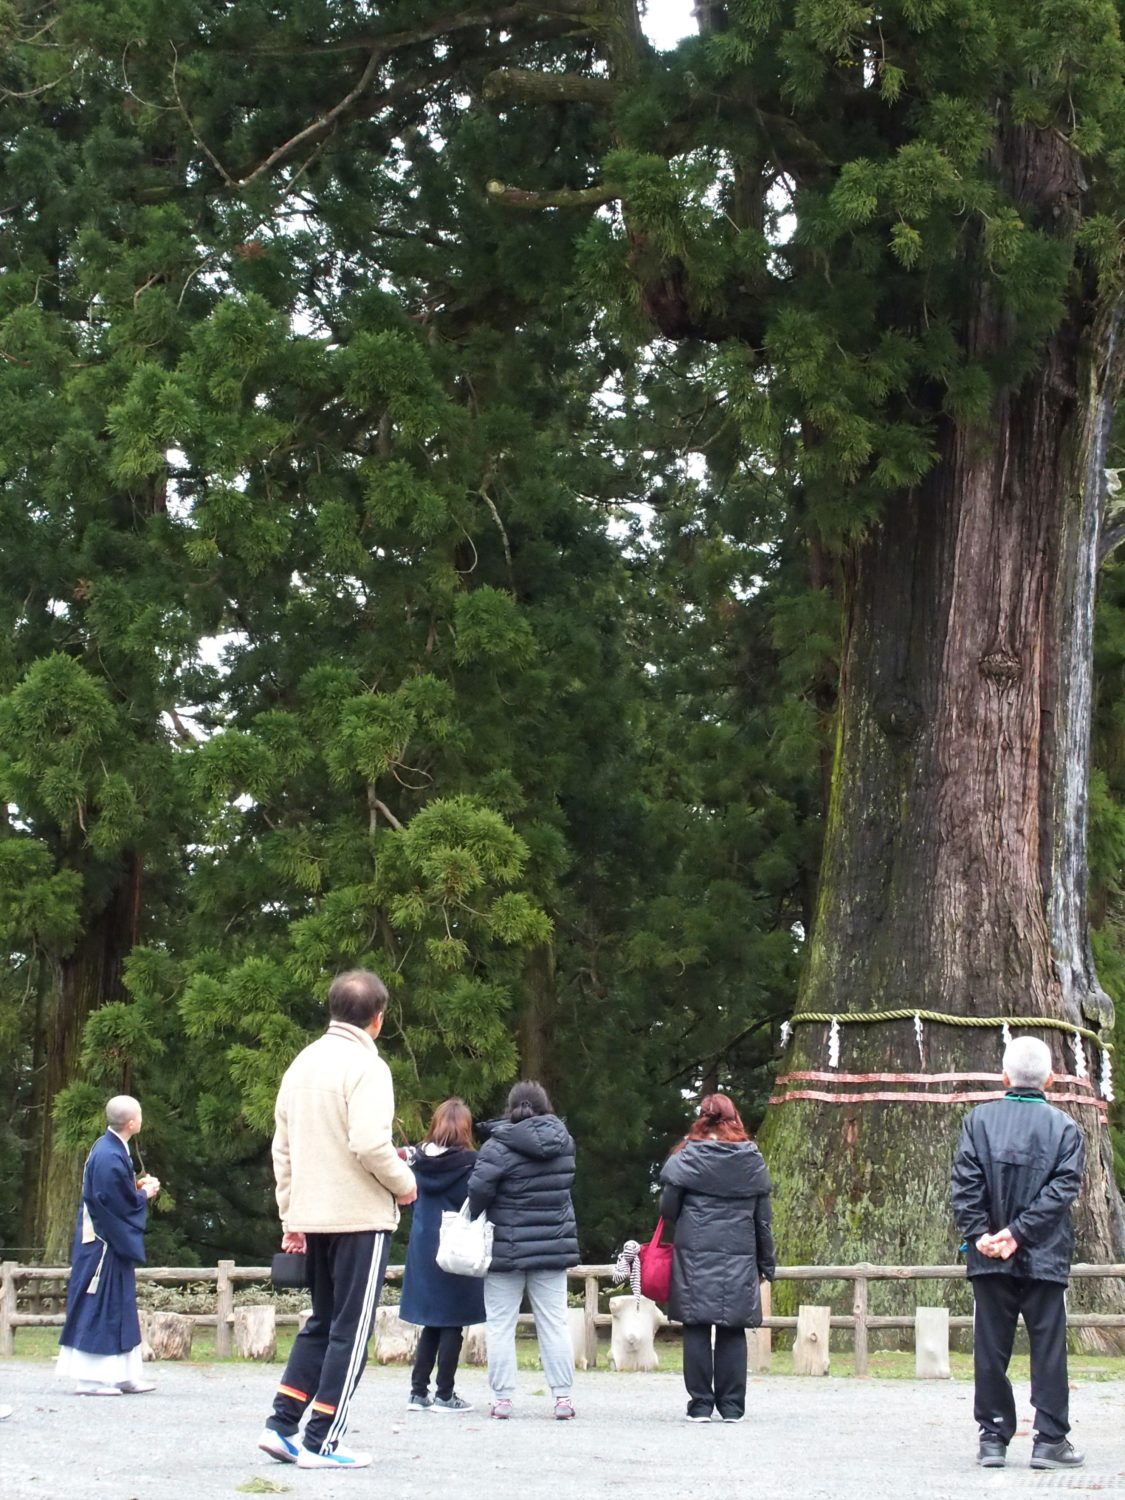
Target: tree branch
{"points": [[196, 137], [375, 807], [591, 197], [395, 41], [317, 125], [1109, 540], [530, 86]]}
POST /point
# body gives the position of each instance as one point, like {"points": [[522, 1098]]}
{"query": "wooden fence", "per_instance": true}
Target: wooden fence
{"points": [[226, 1275]]}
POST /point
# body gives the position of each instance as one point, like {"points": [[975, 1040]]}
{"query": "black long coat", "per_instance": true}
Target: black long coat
{"points": [[522, 1180], [430, 1296], [717, 1194]]}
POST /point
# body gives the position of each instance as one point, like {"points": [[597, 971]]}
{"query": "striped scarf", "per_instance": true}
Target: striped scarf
{"points": [[628, 1267]]}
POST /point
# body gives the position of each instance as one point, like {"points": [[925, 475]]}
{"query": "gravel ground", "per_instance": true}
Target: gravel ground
{"points": [[194, 1439]]}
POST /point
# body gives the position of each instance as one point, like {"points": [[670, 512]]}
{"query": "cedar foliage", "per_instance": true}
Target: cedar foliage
{"points": [[329, 627]]}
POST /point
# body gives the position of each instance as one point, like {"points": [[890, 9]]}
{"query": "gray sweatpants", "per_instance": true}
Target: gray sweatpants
{"points": [[546, 1291]]}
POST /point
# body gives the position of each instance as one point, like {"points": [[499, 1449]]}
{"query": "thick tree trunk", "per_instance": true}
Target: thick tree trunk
{"points": [[954, 867], [537, 1013], [87, 978]]}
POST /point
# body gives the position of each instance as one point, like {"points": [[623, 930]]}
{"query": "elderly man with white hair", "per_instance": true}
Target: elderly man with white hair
{"points": [[1017, 1172], [101, 1337]]}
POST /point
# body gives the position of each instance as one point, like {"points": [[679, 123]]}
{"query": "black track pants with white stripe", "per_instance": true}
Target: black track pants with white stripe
{"points": [[345, 1278]]}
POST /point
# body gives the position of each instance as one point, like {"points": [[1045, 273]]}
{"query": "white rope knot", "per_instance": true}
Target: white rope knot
{"points": [[1005, 1036], [786, 1034], [1079, 1048], [918, 1037], [834, 1044]]}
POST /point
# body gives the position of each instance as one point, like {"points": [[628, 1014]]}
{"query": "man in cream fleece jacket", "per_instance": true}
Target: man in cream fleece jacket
{"points": [[340, 1182]]}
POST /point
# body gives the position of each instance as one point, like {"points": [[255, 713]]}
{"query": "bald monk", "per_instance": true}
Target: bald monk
{"points": [[101, 1338]]}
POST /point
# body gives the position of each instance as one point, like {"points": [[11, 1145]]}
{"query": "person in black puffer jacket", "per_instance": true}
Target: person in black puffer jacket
{"points": [[522, 1180], [1017, 1172], [716, 1192]]}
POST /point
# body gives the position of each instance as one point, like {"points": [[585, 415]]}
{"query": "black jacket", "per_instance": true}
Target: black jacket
{"points": [[1019, 1167], [717, 1195], [522, 1180]]}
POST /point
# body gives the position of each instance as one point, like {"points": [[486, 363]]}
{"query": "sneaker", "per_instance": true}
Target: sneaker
{"points": [[735, 1416], [1060, 1455], [452, 1403], [564, 1409], [501, 1409], [137, 1387], [696, 1415], [340, 1458], [88, 1388], [993, 1453], [277, 1445], [419, 1403]]}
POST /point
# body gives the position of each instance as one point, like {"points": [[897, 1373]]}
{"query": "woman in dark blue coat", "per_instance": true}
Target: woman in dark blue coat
{"points": [[442, 1304]]}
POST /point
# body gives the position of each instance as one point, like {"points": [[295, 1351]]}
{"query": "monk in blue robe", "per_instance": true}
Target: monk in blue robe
{"points": [[101, 1337]]}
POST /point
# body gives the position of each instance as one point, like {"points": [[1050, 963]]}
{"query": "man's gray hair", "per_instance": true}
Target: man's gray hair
{"points": [[1027, 1062], [120, 1110]]}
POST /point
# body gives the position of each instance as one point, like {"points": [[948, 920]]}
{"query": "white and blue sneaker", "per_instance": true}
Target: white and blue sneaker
{"points": [[340, 1458], [277, 1445]]}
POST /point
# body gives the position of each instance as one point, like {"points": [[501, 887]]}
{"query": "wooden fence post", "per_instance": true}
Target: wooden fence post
{"points": [[761, 1339], [7, 1307], [810, 1347], [931, 1343], [591, 1312], [859, 1309], [224, 1307]]}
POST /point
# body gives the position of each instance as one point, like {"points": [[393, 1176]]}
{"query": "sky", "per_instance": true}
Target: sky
{"points": [[666, 21]]}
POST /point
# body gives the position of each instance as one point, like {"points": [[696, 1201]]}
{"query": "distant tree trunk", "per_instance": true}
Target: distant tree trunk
{"points": [[86, 979], [954, 869], [537, 1015]]}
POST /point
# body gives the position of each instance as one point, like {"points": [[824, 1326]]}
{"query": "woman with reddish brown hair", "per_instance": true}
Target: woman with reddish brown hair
{"points": [[442, 1304], [716, 1195]]}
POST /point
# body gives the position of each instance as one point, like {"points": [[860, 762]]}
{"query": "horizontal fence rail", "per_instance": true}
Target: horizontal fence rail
{"points": [[226, 1275]]}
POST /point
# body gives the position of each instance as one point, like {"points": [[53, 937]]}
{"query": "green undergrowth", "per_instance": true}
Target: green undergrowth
{"points": [[891, 1364]]}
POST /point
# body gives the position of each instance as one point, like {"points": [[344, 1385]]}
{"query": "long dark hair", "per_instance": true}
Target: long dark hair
{"points": [[717, 1120], [527, 1099]]}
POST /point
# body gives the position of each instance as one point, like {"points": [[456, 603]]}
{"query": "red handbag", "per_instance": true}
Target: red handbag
{"points": [[656, 1267]]}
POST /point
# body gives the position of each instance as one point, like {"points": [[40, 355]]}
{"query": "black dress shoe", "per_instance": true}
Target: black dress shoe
{"points": [[993, 1453], [1060, 1455]]}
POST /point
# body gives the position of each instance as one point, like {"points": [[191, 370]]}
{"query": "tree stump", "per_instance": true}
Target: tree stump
{"points": [[632, 1343], [170, 1335], [395, 1341], [255, 1332], [931, 1343], [810, 1347], [147, 1354], [474, 1350]]}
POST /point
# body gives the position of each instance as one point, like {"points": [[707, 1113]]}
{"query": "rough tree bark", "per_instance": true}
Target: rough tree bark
{"points": [[84, 980], [954, 868]]}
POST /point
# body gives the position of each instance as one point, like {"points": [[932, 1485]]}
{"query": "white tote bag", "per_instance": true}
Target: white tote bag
{"points": [[464, 1243]]}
